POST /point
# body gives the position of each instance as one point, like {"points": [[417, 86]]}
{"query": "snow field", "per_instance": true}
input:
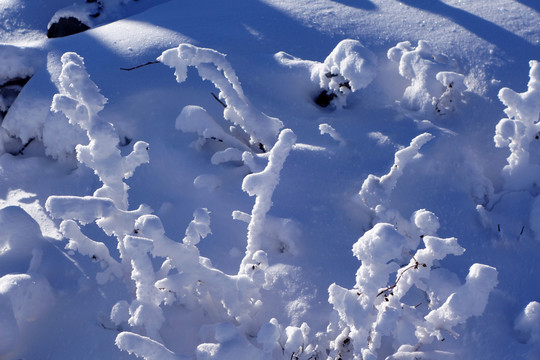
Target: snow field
{"points": [[405, 158]]}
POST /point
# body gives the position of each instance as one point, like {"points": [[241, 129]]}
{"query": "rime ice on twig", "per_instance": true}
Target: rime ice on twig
{"points": [[213, 65], [376, 190]]}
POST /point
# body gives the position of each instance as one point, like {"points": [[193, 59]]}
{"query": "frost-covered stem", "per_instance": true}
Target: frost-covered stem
{"points": [[376, 190], [86, 209], [80, 100], [145, 310], [262, 185], [213, 66], [96, 250]]}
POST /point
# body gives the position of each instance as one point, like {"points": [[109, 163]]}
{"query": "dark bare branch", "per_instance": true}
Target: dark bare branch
{"points": [[218, 100], [139, 66]]}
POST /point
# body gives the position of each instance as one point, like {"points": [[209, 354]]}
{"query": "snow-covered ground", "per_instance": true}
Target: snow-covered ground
{"points": [[307, 179]]}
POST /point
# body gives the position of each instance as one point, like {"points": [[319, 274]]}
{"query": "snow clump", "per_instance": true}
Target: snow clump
{"points": [[348, 68], [519, 130], [432, 87]]}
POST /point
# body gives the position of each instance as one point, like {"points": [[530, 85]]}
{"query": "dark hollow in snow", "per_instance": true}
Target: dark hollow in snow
{"points": [[324, 98], [65, 27], [9, 91]]}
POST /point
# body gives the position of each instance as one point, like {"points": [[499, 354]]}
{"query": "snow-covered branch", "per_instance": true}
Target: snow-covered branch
{"points": [[212, 65], [262, 185]]}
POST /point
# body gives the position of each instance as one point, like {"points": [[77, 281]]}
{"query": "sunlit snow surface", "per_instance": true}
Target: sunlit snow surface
{"points": [[220, 213]]}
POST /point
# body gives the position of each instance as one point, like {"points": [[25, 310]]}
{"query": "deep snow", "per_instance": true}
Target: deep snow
{"points": [[146, 225]]}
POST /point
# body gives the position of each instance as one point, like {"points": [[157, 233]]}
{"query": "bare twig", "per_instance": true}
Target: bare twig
{"points": [[218, 100], [139, 66], [414, 266], [25, 146], [395, 284]]}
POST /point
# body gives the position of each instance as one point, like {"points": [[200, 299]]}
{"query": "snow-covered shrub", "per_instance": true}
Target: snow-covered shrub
{"points": [[519, 130], [348, 68], [432, 87], [79, 99], [453, 95], [184, 281], [212, 65], [378, 308]]}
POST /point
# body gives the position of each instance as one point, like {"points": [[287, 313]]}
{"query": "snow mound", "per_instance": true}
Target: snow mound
{"points": [[23, 299], [527, 324]]}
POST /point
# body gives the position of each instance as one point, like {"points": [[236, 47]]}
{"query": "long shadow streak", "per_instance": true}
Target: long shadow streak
{"points": [[533, 4], [510, 43]]}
